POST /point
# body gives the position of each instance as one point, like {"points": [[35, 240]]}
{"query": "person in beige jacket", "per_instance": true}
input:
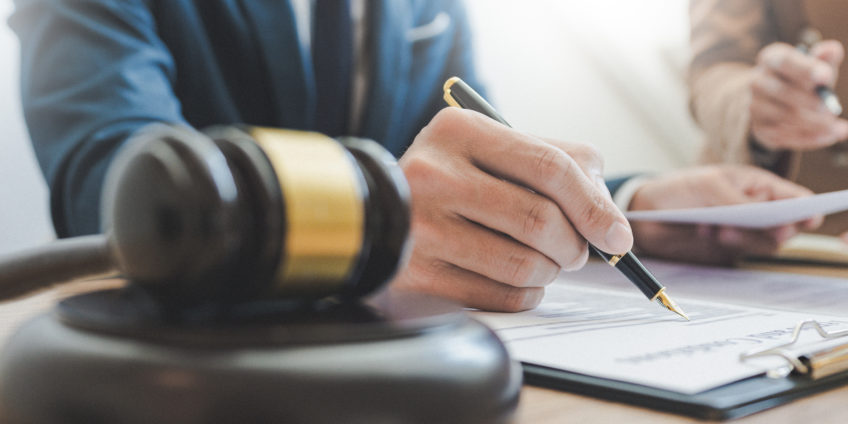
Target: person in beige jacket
{"points": [[753, 91]]}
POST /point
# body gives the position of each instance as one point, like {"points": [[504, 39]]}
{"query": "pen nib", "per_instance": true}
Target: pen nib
{"points": [[669, 304]]}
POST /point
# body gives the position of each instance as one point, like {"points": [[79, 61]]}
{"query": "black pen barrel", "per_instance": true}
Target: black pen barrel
{"points": [[629, 265]]}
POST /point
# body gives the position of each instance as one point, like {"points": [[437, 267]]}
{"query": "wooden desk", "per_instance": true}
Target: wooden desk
{"points": [[538, 405]]}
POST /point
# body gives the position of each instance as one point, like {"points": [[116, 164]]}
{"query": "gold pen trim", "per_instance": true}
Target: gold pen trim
{"points": [[658, 294], [447, 89], [614, 260]]}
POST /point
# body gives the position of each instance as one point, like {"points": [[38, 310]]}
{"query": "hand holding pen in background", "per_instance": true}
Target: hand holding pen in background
{"points": [[808, 40], [792, 105]]}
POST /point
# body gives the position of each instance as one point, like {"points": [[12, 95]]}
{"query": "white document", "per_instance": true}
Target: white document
{"points": [[774, 290], [752, 215], [620, 336]]}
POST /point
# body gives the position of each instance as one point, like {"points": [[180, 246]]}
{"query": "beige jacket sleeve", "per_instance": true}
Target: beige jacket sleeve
{"points": [[726, 36]]}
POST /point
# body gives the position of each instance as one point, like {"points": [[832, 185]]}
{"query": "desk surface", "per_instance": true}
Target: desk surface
{"points": [[538, 405]]}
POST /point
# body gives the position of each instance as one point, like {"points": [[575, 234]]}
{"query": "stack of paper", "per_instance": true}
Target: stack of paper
{"points": [[594, 322]]}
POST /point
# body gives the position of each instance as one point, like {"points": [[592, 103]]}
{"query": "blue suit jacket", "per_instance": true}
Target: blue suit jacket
{"points": [[95, 71]]}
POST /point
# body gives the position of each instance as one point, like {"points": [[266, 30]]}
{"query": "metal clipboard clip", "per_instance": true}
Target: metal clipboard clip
{"points": [[815, 363]]}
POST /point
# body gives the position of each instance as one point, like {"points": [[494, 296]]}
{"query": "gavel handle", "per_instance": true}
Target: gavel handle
{"points": [[64, 260]]}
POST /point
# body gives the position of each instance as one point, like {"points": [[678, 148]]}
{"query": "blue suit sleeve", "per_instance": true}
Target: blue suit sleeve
{"points": [[92, 74], [614, 184]]}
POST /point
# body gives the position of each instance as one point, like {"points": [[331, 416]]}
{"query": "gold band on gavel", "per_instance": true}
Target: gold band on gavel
{"points": [[324, 209]]}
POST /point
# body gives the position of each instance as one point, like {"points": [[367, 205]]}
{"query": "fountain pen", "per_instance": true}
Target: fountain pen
{"points": [[461, 95]]}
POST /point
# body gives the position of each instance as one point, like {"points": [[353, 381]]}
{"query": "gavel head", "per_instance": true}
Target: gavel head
{"points": [[244, 213]]}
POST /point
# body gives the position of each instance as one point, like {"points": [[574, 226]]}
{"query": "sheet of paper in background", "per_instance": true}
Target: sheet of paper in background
{"points": [[624, 337], [774, 290], [752, 215]]}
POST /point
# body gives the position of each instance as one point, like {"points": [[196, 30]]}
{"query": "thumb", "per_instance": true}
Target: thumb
{"points": [[602, 223]]}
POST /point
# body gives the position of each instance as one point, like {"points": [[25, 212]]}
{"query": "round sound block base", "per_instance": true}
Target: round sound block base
{"points": [[104, 358]]}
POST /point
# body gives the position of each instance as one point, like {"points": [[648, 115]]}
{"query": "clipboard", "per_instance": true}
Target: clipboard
{"points": [[814, 370]]}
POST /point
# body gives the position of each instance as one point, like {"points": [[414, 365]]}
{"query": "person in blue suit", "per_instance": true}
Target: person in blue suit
{"points": [[95, 72]]}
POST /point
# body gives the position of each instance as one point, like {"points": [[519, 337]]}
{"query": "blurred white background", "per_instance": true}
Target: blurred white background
{"points": [[605, 71], [610, 72], [24, 215]]}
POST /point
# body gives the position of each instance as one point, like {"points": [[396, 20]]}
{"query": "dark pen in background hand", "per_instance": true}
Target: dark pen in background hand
{"points": [[459, 94], [809, 37]]}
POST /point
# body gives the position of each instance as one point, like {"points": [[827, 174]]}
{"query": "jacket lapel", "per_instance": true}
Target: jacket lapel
{"points": [[390, 58]]}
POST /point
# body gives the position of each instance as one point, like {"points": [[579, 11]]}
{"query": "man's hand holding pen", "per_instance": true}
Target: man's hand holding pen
{"points": [[480, 236], [497, 213], [460, 95]]}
